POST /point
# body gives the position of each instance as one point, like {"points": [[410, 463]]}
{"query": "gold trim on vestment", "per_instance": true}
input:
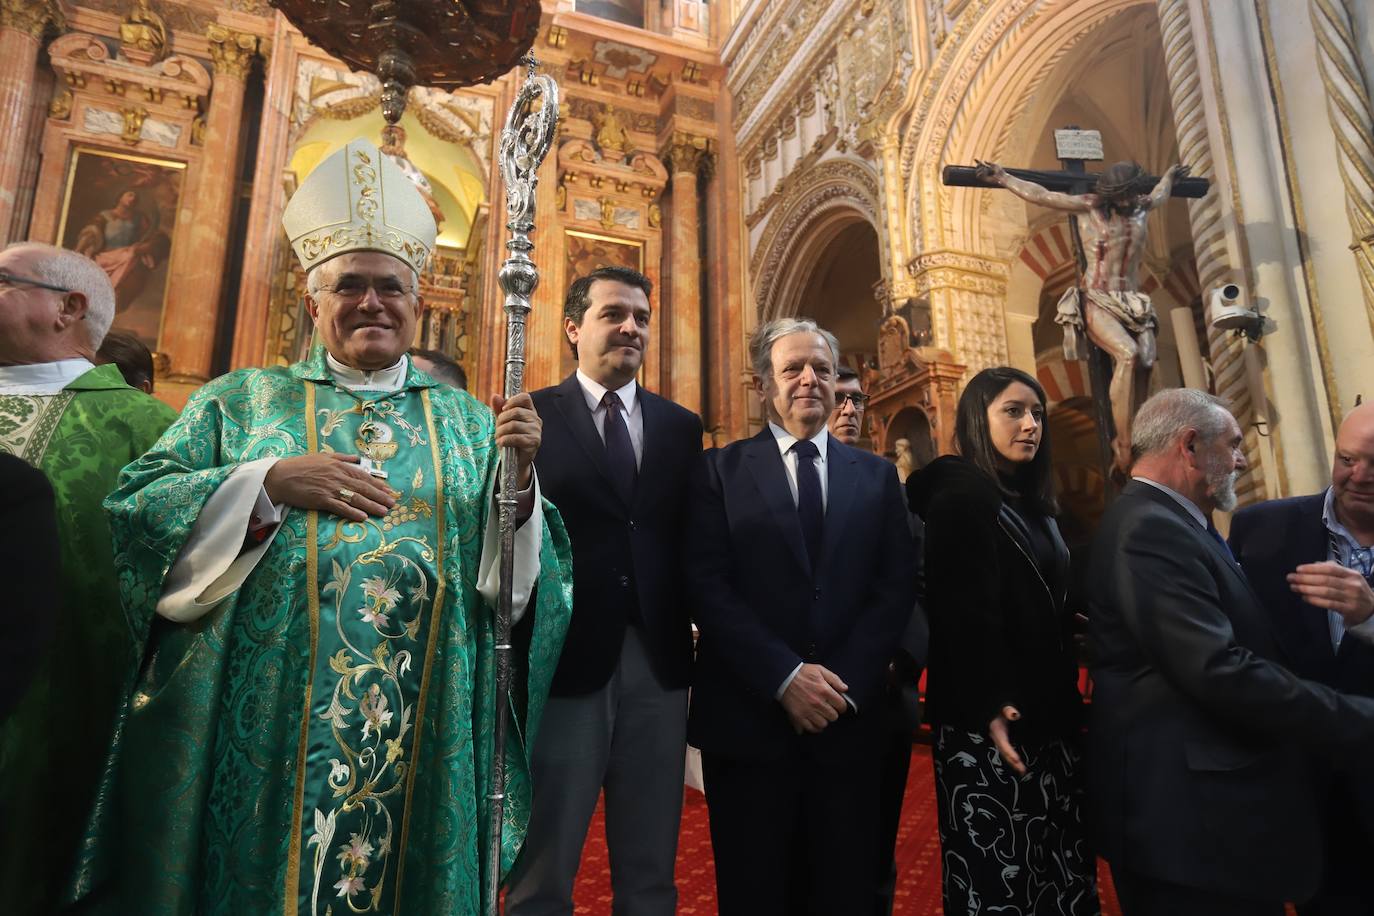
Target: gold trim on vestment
{"points": [[435, 617], [312, 572]]}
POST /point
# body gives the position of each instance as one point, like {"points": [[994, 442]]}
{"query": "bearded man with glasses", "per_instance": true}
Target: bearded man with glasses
{"points": [[78, 424], [310, 562]]}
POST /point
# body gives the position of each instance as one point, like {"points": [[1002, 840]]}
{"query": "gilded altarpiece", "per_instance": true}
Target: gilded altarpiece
{"points": [[121, 106]]}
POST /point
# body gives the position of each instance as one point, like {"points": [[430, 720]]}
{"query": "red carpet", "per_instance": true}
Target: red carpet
{"points": [[918, 857]]}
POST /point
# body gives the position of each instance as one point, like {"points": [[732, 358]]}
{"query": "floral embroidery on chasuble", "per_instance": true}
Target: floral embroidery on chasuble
{"points": [[374, 620]]}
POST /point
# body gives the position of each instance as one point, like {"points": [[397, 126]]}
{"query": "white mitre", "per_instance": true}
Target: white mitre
{"points": [[358, 200]]}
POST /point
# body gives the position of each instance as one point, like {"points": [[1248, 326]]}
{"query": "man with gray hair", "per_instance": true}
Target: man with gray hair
{"points": [[798, 558], [1198, 789], [79, 424]]}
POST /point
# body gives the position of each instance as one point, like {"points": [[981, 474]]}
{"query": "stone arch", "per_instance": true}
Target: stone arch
{"points": [[979, 90], [822, 202]]}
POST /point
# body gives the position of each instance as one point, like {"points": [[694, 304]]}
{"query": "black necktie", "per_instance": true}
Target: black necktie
{"points": [[620, 454], [810, 506], [1216, 536]]}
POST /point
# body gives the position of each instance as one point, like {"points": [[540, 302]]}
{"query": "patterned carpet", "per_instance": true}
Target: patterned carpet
{"points": [[918, 857]]}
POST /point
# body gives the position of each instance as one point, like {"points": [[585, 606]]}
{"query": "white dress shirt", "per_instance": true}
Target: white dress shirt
{"points": [[785, 442], [1344, 548], [629, 400], [43, 378], [1191, 507], [789, 458]]}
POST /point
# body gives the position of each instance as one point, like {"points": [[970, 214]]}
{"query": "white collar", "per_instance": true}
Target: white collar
{"points": [[1179, 498], [595, 391], [43, 378], [786, 440], [388, 379]]}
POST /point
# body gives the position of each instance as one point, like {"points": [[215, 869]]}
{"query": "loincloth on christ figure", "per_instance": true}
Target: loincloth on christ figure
{"points": [[1131, 309]]}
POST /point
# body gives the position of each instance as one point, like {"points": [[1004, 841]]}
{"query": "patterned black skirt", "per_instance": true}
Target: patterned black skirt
{"points": [[1013, 846]]}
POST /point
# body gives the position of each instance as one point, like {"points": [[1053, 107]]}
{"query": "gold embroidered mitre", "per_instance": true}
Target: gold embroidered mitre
{"points": [[358, 200]]}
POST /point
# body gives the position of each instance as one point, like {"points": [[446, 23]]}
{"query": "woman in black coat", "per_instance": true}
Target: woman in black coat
{"points": [[1002, 681]]}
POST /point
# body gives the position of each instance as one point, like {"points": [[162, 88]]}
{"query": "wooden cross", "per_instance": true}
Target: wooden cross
{"points": [[1075, 148]]}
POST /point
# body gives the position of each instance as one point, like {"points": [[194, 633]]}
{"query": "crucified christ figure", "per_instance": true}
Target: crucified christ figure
{"points": [[1118, 317]]}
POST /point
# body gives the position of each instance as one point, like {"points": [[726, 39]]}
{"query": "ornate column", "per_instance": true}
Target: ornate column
{"points": [[966, 292], [686, 156], [22, 23], [1205, 215], [260, 258], [1348, 107], [193, 291]]}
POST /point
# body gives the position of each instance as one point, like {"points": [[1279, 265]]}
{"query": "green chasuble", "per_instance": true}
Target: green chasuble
{"points": [[52, 746], [319, 742]]}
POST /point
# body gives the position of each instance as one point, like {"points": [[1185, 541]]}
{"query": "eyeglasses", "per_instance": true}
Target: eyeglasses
{"points": [[353, 289], [8, 279], [860, 401]]}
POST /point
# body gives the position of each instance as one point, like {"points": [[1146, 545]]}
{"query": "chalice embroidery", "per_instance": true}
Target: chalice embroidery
{"points": [[376, 443]]}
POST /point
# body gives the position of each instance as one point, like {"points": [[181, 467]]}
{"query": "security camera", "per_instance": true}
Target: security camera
{"points": [[1231, 311]]}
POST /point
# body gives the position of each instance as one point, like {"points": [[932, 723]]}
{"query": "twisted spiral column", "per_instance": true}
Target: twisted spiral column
{"points": [[1348, 108], [1205, 216]]}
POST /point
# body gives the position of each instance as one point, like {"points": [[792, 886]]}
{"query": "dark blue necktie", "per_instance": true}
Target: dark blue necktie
{"points": [[620, 454], [810, 506], [1216, 536]]}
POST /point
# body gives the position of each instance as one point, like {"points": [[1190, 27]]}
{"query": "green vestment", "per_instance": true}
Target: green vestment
{"points": [[319, 742], [52, 746]]}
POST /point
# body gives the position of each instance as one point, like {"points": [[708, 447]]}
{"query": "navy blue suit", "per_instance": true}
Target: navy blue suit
{"points": [[1270, 540], [793, 817]]}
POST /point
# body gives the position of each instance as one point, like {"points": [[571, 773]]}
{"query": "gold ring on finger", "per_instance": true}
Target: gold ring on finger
{"points": [[346, 495]]}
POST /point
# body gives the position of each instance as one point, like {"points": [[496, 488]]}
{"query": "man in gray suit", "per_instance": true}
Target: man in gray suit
{"points": [[1198, 787]]}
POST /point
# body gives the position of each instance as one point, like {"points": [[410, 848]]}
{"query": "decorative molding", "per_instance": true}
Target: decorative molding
{"points": [[32, 17], [841, 183], [686, 152], [231, 51]]}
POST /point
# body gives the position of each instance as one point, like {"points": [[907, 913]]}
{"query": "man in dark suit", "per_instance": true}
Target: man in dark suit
{"points": [[1311, 559], [1199, 792], [901, 701], [614, 460], [799, 564]]}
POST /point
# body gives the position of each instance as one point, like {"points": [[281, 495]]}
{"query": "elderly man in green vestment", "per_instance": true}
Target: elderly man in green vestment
{"points": [[79, 424], [311, 555]]}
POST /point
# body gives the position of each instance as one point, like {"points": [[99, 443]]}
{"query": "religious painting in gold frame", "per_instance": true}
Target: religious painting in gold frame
{"points": [[585, 252], [119, 209]]}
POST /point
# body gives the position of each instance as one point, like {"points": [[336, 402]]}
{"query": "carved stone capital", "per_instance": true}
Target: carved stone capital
{"points": [[32, 17], [231, 51], [689, 153]]}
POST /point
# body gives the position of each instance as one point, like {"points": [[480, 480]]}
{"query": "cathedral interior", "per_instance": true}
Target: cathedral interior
{"points": [[754, 159]]}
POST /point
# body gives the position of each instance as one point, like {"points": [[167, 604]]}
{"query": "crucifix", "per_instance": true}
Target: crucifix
{"points": [[1107, 223]]}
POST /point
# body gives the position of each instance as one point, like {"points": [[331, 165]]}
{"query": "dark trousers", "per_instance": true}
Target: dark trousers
{"points": [[1143, 896], [1346, 889], [895, 762], [794, 835]]}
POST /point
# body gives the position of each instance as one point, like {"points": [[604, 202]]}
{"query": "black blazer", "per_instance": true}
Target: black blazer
{"points": [[626, 558], [1271, 539], [1000, 631], [28, 538], [1196, 770], [761, 607]]}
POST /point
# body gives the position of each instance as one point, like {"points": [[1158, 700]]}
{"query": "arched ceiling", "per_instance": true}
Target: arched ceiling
{"points": [[453, 171]]}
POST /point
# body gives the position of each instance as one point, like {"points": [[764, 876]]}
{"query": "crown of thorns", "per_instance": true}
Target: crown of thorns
{"points": [[1121, 179]]}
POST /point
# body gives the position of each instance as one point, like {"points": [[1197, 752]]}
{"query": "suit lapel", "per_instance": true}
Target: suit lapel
{"points": [[656, 445], [1210, 543], [572, 404], [1311, 538], [770, 476]]}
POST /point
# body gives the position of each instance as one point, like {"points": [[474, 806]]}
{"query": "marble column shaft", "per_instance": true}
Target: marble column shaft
{"points": [[687, 156], [18, 59], [193, 294]]}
